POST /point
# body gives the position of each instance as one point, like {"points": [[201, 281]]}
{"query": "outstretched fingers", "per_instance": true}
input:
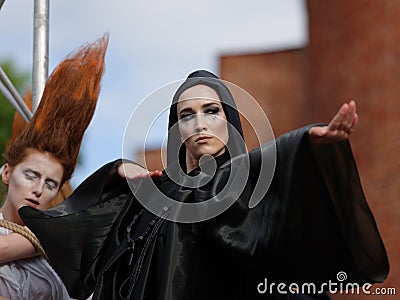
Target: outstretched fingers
{"points": [[339, 128], [345, 120], [354, 118], [337, 121]]}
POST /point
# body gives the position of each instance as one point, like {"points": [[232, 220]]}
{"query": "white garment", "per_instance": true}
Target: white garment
{"points": [[31, 278]]}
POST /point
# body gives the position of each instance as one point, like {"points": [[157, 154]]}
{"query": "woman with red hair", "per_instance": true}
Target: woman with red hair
{"points": [[38, 162]]}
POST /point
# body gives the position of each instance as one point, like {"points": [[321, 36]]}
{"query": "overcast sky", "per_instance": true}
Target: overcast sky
{"points": [[152, 43]]}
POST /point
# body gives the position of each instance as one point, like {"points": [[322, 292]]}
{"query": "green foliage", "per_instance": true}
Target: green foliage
{"points": [[20, 82]]}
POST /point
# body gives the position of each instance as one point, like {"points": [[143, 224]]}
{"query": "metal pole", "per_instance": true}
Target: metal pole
{"points": [[13, 102], [40, 50], [12, 95], [1, 3]]}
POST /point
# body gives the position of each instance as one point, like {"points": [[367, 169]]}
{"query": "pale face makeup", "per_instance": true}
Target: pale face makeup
{"points": [[202, 124], [33, 182]]}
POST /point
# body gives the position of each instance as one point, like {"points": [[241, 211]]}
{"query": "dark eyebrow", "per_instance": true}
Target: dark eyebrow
{"points": [[188, 109], [211, 104]]}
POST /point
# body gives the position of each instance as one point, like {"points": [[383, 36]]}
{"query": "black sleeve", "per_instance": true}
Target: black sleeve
{"points": [[313, 220]]}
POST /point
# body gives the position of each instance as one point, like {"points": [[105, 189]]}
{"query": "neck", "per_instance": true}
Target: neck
{"points": [[10, 213], [193, 163]]}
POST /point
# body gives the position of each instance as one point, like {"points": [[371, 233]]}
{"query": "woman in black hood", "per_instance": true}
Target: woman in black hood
{"points": [[207, 79], [305, 226]]}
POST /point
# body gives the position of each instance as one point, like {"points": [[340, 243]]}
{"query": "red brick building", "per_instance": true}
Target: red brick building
{"points": [[353, 53]]}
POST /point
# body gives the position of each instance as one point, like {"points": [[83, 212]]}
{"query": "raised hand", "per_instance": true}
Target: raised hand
{"points": [[339, 128], [132, 172]]}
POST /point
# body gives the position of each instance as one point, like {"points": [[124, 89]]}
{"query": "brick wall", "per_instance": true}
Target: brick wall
{"points": [[353, 53], [276, 81]]}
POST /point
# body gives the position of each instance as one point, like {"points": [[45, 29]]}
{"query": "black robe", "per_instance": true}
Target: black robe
{"points": [[313, 223]]}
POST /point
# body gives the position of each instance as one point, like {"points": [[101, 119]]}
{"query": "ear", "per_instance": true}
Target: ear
{"points": [[5, 175]]}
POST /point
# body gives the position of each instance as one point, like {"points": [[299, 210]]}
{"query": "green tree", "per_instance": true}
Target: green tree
{"points": [[20, 81]]}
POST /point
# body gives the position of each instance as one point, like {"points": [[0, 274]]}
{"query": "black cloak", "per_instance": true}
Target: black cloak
{"points": [[312, 223]]}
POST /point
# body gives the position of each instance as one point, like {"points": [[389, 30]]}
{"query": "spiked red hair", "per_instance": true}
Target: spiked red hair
{"points": [[66, 108]]}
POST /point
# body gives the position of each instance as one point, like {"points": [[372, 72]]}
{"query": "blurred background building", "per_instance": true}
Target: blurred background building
{"points": [[353, 53]]}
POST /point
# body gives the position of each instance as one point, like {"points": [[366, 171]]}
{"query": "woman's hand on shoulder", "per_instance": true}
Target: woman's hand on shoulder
{"points": [[133, 171], [339, 128]]}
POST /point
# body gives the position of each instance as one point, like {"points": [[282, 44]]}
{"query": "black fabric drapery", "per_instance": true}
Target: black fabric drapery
{"points": [[313, 223]]}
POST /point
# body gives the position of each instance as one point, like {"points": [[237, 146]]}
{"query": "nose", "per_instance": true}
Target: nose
{"points": [[38, 189], [201, 123]]}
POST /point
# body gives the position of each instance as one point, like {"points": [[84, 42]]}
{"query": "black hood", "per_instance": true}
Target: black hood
{"points": [[235, 144]]}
